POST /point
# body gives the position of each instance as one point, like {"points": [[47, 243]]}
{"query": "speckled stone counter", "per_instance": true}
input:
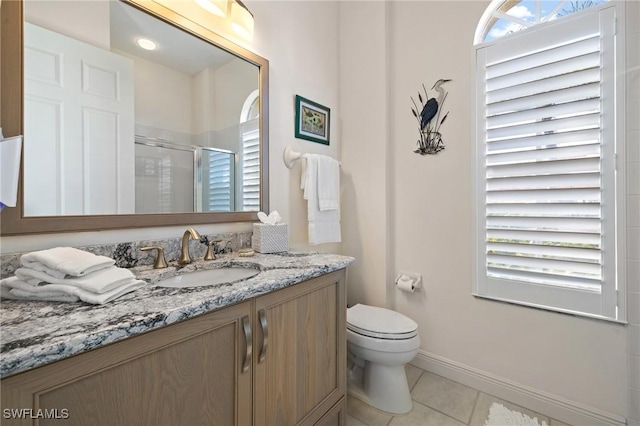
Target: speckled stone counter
{"points": [[37, 333]]}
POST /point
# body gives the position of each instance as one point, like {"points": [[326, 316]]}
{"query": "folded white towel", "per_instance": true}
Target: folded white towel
{"points": [[328, 183], [6, 293], [324, 226], [61, 261], [101, 281], [59, 292]]}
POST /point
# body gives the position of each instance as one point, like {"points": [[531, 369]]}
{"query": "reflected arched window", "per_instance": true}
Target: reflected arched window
{"points": [[504, 17]]}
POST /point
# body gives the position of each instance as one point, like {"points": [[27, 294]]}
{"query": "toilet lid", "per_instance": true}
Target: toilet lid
{"points": [[380, 323]]}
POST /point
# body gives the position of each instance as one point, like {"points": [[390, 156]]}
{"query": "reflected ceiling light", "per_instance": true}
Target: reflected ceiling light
{"points": [[146, 44], [217, 7], [242, 19]]}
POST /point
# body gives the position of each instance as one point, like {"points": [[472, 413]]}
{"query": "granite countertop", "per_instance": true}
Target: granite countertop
{"points": [[37, 333]]}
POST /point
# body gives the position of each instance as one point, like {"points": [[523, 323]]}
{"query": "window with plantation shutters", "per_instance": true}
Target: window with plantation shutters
{"points": [[546, 166]]}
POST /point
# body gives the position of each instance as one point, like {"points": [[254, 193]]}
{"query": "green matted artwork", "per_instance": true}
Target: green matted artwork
{"points": [[312, 121]]}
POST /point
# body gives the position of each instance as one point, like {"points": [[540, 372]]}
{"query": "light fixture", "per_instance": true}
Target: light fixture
{"points": [[242, 19], [146, 44], [217, 7]]}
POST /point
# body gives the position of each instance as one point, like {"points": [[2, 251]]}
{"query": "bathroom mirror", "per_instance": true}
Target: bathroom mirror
{"points": [[128, 137]]}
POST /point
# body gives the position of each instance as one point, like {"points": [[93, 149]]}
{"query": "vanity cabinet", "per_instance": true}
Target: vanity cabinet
{"points": [[277, 359], [300, 366]]}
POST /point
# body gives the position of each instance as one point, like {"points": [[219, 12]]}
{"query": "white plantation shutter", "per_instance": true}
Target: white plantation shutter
{"points": [[546, 166], [219, 191], [251, 165]]}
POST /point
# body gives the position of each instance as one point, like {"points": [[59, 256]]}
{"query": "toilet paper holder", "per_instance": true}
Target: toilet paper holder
{"points": [[408, 281]]}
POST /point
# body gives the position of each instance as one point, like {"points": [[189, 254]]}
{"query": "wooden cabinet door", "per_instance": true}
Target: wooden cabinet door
{"points": [[336, 416], [188, 373], [300, 352]]}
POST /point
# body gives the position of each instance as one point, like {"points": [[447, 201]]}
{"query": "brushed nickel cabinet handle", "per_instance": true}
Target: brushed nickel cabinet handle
{"points": [[246, 326], [262, 315]]}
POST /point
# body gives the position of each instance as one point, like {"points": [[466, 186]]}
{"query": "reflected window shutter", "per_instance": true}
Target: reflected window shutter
{"points": [[220, 194], [251, 165], [544, 165]]}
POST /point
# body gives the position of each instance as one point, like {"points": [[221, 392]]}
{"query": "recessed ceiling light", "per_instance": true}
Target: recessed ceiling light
{"points": [[146, 44]]}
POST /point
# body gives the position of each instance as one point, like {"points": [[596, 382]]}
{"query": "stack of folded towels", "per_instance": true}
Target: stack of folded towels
{"points": [[66, 274]]}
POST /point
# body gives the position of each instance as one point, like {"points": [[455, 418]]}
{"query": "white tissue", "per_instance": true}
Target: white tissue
{"points": [[272, 219], [9, 169]]}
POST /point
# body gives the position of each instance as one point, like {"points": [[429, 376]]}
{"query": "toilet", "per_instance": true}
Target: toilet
{"points": [[379, 344]]}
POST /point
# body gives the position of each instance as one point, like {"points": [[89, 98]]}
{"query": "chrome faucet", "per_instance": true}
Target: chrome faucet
{"points": [[184, 253]]}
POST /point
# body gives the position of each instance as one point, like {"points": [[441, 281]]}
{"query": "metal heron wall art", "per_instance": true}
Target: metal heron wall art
{"points": [[429, 121]]}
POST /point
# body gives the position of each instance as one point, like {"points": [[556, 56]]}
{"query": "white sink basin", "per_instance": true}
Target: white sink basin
{"points": [[208, 277]]}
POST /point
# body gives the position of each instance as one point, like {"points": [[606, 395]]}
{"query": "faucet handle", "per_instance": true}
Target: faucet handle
{"points": [[210, 253], [160, 262]]}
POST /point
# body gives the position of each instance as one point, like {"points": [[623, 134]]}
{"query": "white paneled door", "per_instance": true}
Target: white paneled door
{"points": [[78, 126]]}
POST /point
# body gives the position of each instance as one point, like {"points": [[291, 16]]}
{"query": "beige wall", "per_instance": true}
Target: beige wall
{"points": [[429, 222], [300, 39], [366, 153], [169, 108], [633, 207], [87, 21]]}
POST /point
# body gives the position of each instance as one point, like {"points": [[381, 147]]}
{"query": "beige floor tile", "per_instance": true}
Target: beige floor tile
{"points": [[413, 374], [352, 421], [365, 413], [555, 422], [481, 412], [444, 395], [423, 416]]}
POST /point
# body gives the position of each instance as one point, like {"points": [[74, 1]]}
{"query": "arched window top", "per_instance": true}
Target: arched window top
{"points": [[251, 107], [504, 17]]}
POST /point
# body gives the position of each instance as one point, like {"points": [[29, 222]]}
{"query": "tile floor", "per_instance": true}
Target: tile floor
{"points": [[437, 401]]}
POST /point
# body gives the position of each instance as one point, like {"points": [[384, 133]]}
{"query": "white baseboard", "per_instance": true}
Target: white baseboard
{"points": [[539, 401]]}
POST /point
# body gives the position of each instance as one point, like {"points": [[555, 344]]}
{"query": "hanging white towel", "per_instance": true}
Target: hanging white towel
{"points": [[328, 183], [21, 290], [324, 226], [101, 281], [61, 261]]}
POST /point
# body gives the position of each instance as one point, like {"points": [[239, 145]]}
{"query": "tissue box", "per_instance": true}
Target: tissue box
{"points": [[270, 238]]}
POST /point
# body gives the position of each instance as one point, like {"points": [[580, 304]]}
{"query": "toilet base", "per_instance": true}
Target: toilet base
{"points": [[383, 387]]}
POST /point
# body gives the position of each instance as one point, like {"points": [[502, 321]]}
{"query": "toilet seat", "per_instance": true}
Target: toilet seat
{"points": [[380, 323]]}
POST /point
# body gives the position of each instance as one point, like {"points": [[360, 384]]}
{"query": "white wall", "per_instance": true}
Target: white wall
{"points": [[429, 224]]}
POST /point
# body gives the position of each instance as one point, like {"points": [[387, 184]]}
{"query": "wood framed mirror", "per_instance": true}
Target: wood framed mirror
{"points": [[222, 159]]}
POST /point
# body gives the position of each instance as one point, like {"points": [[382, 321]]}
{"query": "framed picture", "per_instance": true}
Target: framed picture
{"points": [[312, 121]]}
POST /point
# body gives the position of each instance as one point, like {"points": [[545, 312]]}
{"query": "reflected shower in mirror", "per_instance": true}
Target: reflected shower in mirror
{"points": [[125, 114]]}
